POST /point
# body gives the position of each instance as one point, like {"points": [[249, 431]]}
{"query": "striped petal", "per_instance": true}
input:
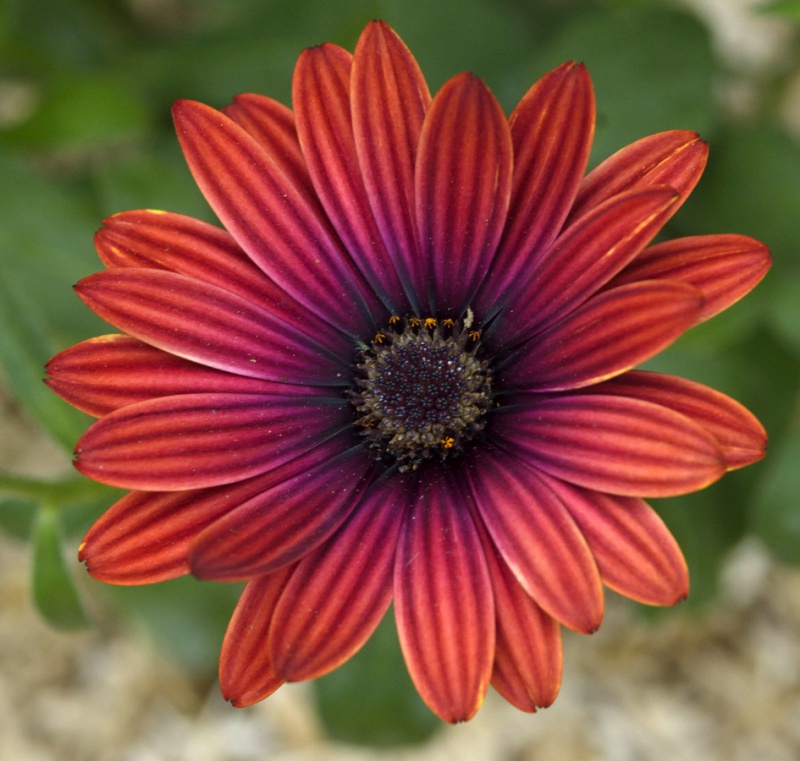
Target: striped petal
{"points": [[724, 268], [102, 374], [272, 124], [463, 187], [321, 98], [610, 333], [198, 440], [443, 602], [206, 324], [274, 221], [635, 552], [551, 130], [613, 444], [161, 240], [246, 672], [528, 653], [536, 536], [582, 260], [676, 158], [340, 592], [389, 102], [288, 520], [144, 538], [742, 438]]}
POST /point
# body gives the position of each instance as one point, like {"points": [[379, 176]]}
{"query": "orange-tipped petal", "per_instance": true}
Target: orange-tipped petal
{"points": [[742, 438], [443, 602], [321, 99], [724, 268], [246, 672], [463, 187], [612, 444], [676, 158], [635, 552], [537, 538]]}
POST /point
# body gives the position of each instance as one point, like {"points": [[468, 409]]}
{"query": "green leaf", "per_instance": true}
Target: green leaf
{"points": [[776, 509], [788, 8], [370, 700], [54, 591]]}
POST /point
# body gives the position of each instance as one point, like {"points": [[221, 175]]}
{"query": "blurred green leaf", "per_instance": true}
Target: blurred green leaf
{"points": [[788, 8], [776, 508], [370, 700], [652, 68], [17, 517], [53, 588]]}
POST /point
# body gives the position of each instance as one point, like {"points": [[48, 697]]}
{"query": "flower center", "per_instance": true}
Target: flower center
{"points": [[421, 390]]}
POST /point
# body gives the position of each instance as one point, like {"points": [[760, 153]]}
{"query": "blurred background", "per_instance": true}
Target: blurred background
{"points": [[107, 674]]}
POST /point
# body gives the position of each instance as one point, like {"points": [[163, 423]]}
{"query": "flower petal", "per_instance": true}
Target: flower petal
{"points": [[635, 552], [209, 325], [676, 158], [341, 591], [723, 267], [285, 522], [272, 124], [443, 602], [197, 440], [321, 98], [274, 221], [582, 260], [389, 102], [551, 129], [102, 374], [144, 538], [742, 438], [528, 653], [463, 188], [246, 672], [537, 538], [613, 444], [610, 333]]}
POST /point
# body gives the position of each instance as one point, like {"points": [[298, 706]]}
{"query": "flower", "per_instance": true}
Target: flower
{"points": [[402, 373]]}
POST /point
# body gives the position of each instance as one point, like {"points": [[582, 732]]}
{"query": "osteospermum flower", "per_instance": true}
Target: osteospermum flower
{"points": [[402, 373]]}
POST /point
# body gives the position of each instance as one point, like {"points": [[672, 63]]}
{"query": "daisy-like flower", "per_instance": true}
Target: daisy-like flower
{"points": [[402, 373]]}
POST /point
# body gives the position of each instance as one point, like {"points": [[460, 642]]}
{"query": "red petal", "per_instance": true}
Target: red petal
{"points": [[321, 97], [340, 592], [272, 125], [389, 101], [675, 158], [528, 654], [723, 267], [198, 440], [209, 325], [610, 333], [742, 438], [102, 374], [144, 538], [285, 522], [539, 541], [552, 130], [246, 673], [463, 187], [583, 259], [612, 444], [275, 222], [443, 602], [635, 552]]}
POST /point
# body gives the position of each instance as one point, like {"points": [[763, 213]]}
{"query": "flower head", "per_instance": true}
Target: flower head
{"points": [[403, 372]]}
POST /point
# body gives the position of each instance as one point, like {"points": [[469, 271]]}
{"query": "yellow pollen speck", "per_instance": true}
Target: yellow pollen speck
{"points": [[80, 547], [155, 211]]}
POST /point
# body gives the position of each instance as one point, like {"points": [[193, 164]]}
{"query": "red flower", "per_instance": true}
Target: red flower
{"points": [[403, 372]]}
